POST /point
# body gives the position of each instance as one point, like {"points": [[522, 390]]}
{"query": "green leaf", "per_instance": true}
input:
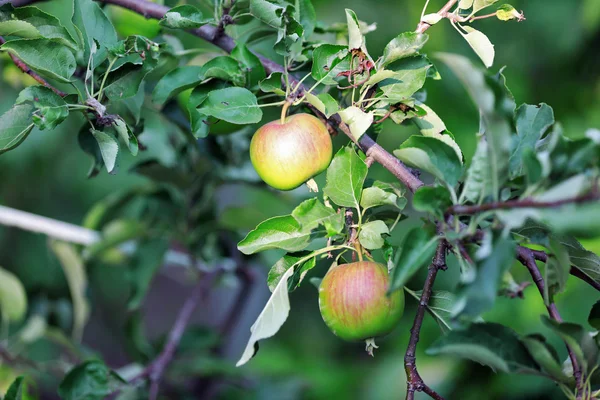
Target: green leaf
{"points": [[254, 68], [16, 389], [532, 123], [465, 4], [432, 199], [370, 234], [32, 23], [199, 128], [479, 5], [126, 136], [267, 12], [410, 76], [490, 344], [184, 17], [234, 104], [356, 40], [92, 380], [430, 123], [270, 319], [405, 45], [75, 273], [345, 178], [495, 105], [440, 306], [417, 251], [545, 356], [15, 125], [225, 68], [13, 299], [328, 61], [272, 84], [93, 26], [176, 81], [375, 196], [380, 75], [47, 57], [557, 270], [480, 294], [594, 317], [506, 12], [19, 28], [357, 120], [571, 219], [480, 43], [109, 148], [286, 262], [533, 167], [126, 81], [324, 103], [300, 272], [579, 340], [306, 16], [478, 184], [276, 233], [311, 213], [433, 156], [50, 109], [115, 232], [145, 264]]}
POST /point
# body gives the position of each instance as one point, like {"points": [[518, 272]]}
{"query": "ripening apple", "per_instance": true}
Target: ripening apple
{"points": [[354, 303], [288, 153]]}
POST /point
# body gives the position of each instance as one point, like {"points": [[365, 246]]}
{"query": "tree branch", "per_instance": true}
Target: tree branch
{"points": [[527, 258], [592, 195], [155, 370], [543, 256], [23, 67], [414, 382]]}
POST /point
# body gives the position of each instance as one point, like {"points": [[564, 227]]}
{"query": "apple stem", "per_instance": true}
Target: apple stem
{"points": [[358, 248], [370, 346], [284, 109]]}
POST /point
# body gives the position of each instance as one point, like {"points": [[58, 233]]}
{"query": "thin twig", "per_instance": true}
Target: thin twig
{"points": [[543, 256], [25, 68], [155, 370], [414, 382], [592, 195], [19, 361], [527, 258]]}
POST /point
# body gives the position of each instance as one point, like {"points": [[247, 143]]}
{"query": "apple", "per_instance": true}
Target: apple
{"points": [[354, 303], [286, 153]]}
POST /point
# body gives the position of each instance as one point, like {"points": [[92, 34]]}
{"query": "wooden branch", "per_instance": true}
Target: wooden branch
{"points": [[414, 382], [155, 370], [527, 258], [592, 195]]}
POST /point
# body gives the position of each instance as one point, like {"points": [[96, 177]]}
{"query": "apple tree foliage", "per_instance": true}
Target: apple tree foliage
{"points": [[151, 98]]}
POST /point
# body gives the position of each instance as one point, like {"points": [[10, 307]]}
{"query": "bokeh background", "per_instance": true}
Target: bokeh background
{"points": [[552, 57]]}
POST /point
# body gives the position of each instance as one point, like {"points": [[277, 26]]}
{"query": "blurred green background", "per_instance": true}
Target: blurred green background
{"points": [[552, 57]]}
